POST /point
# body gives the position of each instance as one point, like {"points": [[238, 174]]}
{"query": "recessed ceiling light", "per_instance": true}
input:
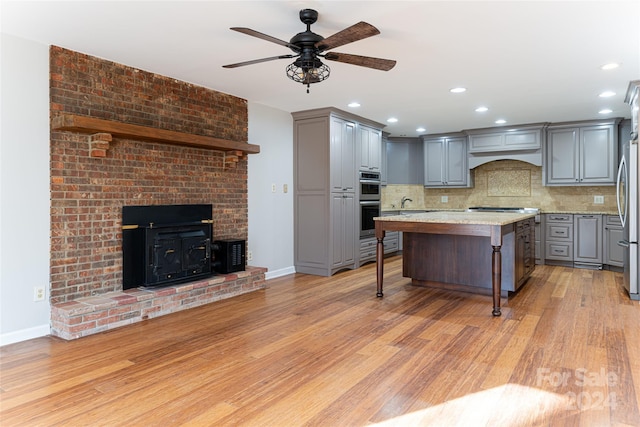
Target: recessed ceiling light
{"points": [[605, 111], [610, 66], [458, 90], [607, 94], [392, 120], [500, 121], [421, 129], [482, 109], [353, 104]]}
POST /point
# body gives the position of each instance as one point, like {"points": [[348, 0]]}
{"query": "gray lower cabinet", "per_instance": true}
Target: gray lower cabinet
{"points": [[343, 226], [587, 240], [539, 239], [559, 239], [574, 240], [445, 161], [613, 232], [583, 153], [368, 245]]}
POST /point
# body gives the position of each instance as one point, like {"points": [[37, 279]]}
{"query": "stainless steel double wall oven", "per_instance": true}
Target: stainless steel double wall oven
{"points": [[369, 193]]}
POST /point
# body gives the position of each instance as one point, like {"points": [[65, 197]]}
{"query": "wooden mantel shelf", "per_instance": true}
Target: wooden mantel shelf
{"points": [[92, 125]]}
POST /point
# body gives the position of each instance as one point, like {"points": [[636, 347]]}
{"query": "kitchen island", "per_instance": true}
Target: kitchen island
{"points": [[462, 250]]}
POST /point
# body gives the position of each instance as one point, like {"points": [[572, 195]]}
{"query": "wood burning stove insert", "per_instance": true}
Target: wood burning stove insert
{"points": [[165, 244]]}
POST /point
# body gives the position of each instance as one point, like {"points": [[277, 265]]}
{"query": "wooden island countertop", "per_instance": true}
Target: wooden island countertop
{"points": [[490, 225]]}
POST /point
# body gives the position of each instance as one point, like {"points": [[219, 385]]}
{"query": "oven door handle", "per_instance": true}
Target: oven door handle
{"points": [[369, 202], [369, 181]]}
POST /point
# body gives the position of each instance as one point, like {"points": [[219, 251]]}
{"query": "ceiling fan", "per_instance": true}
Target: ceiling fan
{"points": [[309, 47]]}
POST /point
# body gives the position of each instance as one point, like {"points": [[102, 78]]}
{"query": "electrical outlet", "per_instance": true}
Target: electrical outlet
{"points": [[598, 200], [38, 293], [273, 188], [444, 199], [285, 188], [249, 256]]}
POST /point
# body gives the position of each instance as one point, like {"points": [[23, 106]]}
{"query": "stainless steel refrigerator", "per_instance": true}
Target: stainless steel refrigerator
{"points": [[627, 195]]}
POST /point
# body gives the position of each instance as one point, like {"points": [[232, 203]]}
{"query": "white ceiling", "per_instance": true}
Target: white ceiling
{"points": [[528, 61]]}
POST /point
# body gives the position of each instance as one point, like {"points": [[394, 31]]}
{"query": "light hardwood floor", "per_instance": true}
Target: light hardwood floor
{"points": [[325, 351]]}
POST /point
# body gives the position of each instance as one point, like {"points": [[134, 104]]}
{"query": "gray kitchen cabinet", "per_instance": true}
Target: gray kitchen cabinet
{"points": [[612, 233], [587, 241], [384, 169], [368, 245], [370, 148], [524, 257], [445, 161], [343, 226], [343, 177], [539, 238], [405, 161], [584, 153], [326, 214], [558, 239], [505, 139]]}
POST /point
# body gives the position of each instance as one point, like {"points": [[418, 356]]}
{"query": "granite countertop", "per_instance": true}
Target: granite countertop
{"points": [[542, 211], [449, 217]]}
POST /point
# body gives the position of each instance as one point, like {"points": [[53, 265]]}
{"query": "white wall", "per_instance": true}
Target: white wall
{"points": [[271, 214], [24, 188]]}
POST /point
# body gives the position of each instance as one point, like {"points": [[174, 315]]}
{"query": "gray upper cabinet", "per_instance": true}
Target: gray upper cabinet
{"points": [[445, 161], [405, 161], [370, 148], [343, 177], [485, 141], [582, 154]]}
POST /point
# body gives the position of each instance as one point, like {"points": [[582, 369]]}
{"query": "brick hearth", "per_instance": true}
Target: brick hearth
{"points": [[90, 315]]}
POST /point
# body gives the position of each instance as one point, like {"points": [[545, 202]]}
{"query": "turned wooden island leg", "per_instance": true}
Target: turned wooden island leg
{"points": [[496, 284], [379, 258]]}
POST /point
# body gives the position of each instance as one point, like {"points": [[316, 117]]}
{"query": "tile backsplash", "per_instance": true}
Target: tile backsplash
{"points": [[504, 183]]}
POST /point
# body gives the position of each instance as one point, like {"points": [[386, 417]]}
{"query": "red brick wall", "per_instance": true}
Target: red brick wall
{"points": [[87, 193]]}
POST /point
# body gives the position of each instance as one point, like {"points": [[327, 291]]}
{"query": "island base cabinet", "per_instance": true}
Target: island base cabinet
{"points": [[458, 262]]}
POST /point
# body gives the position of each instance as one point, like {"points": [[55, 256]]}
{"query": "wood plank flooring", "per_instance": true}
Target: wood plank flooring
{"points": [[319, 351]]}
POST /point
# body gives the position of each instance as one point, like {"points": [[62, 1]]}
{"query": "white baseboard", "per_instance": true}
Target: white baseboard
{"points": [[24, 334], [279, 273]]}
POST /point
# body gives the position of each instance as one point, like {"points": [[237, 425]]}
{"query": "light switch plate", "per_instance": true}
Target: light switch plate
{"points": [[598, 200], [444, 199]]}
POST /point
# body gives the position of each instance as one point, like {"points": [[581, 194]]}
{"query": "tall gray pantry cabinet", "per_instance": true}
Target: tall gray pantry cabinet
{"points": [[327, 155]]}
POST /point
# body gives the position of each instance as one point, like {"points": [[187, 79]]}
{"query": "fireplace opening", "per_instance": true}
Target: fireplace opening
{"points": [[166, 244]]}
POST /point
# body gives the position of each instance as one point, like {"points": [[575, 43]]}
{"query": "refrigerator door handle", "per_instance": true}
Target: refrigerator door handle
{"points": [[622, 169], [623, 243]]}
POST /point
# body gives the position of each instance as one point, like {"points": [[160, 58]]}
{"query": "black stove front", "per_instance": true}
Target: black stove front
{"points": [[165, 244]]}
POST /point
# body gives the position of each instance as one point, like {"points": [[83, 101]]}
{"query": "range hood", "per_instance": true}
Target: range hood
{"points": [[523, 143], [533, 157]]}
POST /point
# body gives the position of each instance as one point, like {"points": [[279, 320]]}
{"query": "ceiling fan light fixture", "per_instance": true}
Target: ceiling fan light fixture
{"points": [[306, 72]]}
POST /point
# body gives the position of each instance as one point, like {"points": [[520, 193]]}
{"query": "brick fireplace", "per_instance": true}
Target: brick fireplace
{"points": [[94, 175]]}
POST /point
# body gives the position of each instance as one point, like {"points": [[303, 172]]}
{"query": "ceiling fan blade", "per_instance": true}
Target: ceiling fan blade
{"points": [[254, 33], [257, 61], [363, 61], [356, 32]]}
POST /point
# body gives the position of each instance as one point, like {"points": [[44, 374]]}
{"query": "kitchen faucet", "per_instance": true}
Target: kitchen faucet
{"points": [[404, 199]]}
